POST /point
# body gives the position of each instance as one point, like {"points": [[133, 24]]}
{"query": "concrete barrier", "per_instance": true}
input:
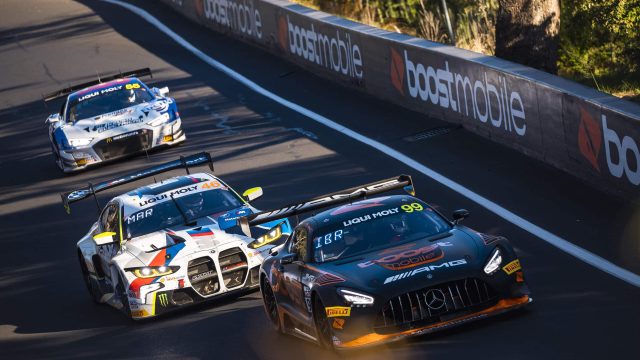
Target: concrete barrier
{"points": [[584, 132]]}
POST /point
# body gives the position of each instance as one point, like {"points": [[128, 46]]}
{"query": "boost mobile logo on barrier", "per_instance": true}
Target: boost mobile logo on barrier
{"points": [[455, 91], [237, 15], [617, 150], [337, 53]]}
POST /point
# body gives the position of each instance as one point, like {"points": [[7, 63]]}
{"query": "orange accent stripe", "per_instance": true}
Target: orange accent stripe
{"points": [[373, 338]]}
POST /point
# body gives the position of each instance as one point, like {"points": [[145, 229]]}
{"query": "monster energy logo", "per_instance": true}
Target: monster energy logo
{"points": [[164, 301]]}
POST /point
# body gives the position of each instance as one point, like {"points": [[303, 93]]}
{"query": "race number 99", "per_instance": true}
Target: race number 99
{"points": [[409, 208]]}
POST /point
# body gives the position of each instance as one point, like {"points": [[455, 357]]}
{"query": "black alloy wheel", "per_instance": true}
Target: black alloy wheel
{"points": [[91, 288], [270, 305], [323, 328]]}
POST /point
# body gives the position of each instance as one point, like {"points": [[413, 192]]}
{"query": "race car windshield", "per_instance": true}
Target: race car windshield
{"points": [[376, 228], [106, 101], [165, 214]]}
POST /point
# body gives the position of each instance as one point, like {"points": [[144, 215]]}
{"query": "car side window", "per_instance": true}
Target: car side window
{"points": [[300, 243], [109, 219]]}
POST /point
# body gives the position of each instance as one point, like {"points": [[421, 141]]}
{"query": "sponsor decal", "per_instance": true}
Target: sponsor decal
{"points": [[337, 53], [428, 268], [407, 258], [308, 278], [307, 298], [338, 311], [163, 299], [512, 267], [241, 16], [168, 195], [623, 164], [113, 124], [78, 194], [435, 299], [480, 98], [338, 323], [368, 217], [126, 135], [204, 275], [589, 138], [140, 215]]}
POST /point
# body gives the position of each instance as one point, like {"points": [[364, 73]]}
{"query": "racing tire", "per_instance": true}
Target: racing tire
{"points": [[93, 290], [270, 305], [323, 327], [122, 296], [57, 159]]}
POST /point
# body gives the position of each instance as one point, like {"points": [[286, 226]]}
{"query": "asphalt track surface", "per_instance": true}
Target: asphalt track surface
{"points": [[579, 311]]}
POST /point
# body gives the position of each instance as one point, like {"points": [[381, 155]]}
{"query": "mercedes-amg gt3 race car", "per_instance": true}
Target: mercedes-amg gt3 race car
{"points": [[109, 118], [171, 244], [383, 268]]}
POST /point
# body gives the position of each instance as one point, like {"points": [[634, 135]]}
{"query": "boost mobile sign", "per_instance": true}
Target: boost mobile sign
{"points": [[486, 99]]}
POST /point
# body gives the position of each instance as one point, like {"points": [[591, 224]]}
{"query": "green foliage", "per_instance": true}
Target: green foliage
{"points": [[600, 39]]}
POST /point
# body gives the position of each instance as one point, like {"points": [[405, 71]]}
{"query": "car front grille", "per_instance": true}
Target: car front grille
{"points": [[233, 265], [203, 276], [434, 304], [123, 144]]}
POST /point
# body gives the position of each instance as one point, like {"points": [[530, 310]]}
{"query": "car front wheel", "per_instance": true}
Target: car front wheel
{"points": [[270, 305], [323, 328]]}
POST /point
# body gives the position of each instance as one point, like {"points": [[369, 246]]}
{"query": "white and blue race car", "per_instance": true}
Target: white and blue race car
{"points": [[172, 244], [110, 118]]}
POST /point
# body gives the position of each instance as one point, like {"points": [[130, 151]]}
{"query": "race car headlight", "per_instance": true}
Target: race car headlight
{"points": [[160, 120], [153, 271], [273, 235], [79, 142], [355, 298], [494, 262]]}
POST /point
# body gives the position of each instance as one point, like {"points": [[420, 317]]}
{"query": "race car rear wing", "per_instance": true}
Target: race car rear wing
{"points": [[92, 189], [328, 200], [73, 88]]}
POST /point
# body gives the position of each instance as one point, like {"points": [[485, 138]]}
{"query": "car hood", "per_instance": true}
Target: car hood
{"points": [[181, 241], [117, 122], [411, 266]]}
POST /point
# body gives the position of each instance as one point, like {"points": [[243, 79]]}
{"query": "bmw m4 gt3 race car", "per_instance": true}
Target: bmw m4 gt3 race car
{"points": [[171, 244], [383, 268], [110, 118]]}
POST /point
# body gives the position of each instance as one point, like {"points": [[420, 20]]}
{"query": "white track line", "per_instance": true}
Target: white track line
{"points": [[560, 243]]}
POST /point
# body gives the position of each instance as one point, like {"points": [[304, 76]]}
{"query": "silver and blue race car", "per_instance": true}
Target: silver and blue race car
{"points": [[110, 118]]}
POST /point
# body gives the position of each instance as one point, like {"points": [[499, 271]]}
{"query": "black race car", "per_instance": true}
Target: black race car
{"points": [[374, 270]]}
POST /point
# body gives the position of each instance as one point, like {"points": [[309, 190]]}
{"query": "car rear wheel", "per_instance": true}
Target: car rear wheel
{"points": [[323, 328], [94, 292], [270, 305]]}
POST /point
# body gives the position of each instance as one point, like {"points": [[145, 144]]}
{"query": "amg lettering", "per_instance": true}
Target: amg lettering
{"points": [[429, 268]]}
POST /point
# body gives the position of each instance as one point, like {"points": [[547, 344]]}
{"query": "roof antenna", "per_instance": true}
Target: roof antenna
{"points": [[98, 75]]}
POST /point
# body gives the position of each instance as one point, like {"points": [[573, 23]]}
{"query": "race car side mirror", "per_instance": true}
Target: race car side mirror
{"points": [[104, 238], [53, 118], [288, 259], [252, 194], [460, 215]]}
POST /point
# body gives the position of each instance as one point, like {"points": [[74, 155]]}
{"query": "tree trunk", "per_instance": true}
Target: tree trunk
{"points": [[527, 32]]}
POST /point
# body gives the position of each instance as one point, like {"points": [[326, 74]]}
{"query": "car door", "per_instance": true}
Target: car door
{"points": [[291, 273], [109, 222]]}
